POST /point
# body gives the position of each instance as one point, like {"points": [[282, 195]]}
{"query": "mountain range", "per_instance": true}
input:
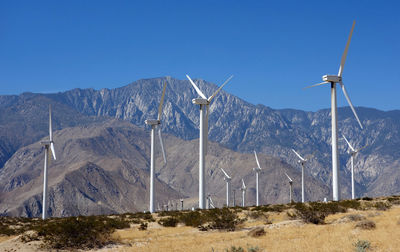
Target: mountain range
{"points": [[236, 128]]}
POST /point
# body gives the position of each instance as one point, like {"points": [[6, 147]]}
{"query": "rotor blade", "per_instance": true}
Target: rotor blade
{"points": [[52, 150], [288, 177], [346, 50], [258, 164], [161, 102], [50, 125], [197, 89], [351, 105], [243, 184], [206, 130], [297, 154], [216, 92], [162, 144], [361, 148], [319, 84], [351, 147], [226, 175]]}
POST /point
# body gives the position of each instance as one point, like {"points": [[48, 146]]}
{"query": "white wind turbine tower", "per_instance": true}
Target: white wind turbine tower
{"points": [[227, 179], [332, 80], [353, 152], [49, 147], [290, 187], [204, 104], [302, 161], [243, 189], [257, 170], [155, 124]]}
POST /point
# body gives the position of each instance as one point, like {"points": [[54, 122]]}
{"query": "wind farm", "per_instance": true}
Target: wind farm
{"points": [[119, 131]]}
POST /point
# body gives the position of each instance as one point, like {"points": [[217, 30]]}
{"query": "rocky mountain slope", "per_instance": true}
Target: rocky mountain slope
{"points": [[103, 169], [243, 127], [234, 124]]}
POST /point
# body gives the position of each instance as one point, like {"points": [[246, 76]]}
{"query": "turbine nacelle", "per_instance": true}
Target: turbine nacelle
{"points": [[332, 78], [200, 101], [152, 122]]}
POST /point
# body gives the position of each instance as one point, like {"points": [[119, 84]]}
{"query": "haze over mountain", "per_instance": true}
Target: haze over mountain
{"points": [[234, 124]]}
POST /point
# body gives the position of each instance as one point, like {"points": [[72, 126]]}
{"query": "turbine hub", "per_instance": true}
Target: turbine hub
{"points": [[332, 78]]}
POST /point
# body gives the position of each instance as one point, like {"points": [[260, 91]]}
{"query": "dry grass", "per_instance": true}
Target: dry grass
{"points": [[308, 237]]}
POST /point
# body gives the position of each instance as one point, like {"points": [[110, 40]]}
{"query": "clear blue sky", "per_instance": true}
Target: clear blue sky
{"points": [[274, 48]]}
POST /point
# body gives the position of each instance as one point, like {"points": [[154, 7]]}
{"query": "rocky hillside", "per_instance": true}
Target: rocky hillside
{"points": [[104, 168], [234, 123]]}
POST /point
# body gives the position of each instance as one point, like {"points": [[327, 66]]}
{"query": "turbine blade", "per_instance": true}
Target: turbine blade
{"points": [[226, 175], [243, 184], [52, 150], [319, 84], [50, 125], [351, 105], [346, 49], [297, 154], [162, 144], [258, 164], [219, 89], [161, 102], [351, 147], [196, 88], [288, 177]]}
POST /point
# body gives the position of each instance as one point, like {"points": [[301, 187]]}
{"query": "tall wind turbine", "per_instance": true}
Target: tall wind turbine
{"points": [[353, 152], [243, 189], [204, 104], [49, 147], [332, 80], [227, 179], [257, 170], [155, 124], [290, 188], [302, 161]]}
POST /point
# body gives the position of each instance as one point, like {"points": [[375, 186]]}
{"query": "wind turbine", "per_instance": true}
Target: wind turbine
{"points": [[155, 124], [353, 152], [204, 104], [332, 80], [290, 187], [243, 189], [49, 147], [302, 161], [257, 170], [227, 179]]}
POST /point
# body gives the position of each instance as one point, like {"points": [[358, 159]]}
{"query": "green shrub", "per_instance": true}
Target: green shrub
{"points": [[366, 224], [383, 206], [362, 245], [168, 222], [193, 219], [78, 232], [235, 249], [143, 226]]}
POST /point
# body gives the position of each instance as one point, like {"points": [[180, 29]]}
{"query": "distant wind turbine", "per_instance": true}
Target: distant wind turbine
{"points": [[155, 124], [204, 104], [227, 179], [257, 170], [332, 80], [353, 152], [302, 161], [49, 147], [290, 188], [243, 189]]}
